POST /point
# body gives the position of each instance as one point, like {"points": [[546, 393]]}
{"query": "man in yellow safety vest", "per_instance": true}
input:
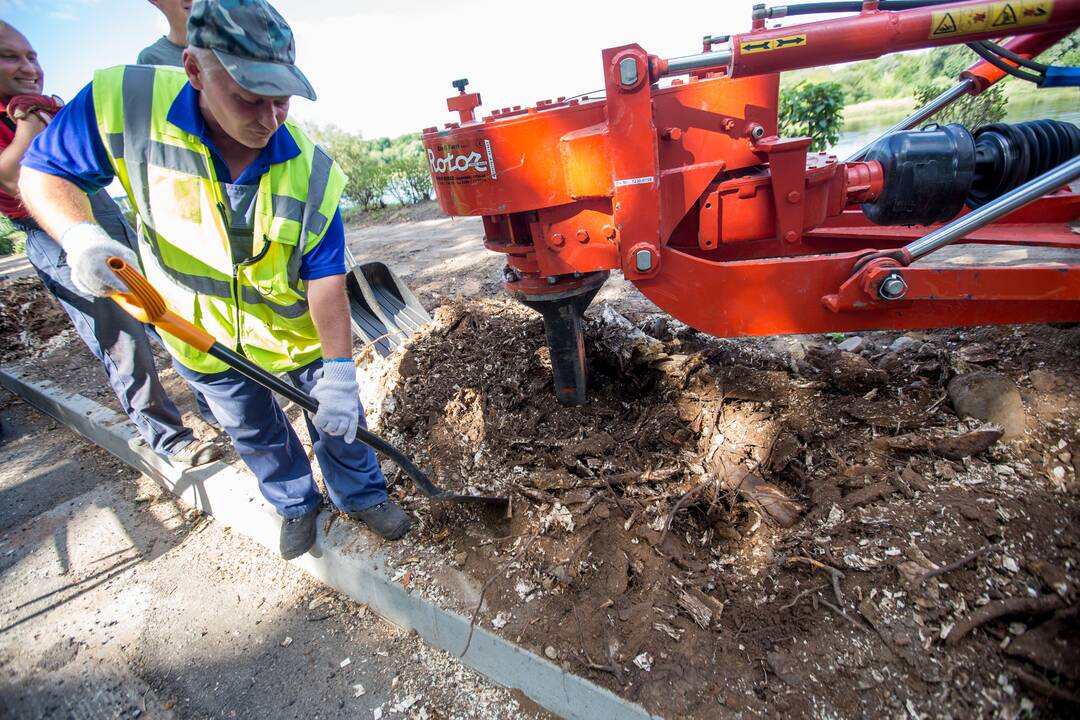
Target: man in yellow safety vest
{"points": [[239, 229]]}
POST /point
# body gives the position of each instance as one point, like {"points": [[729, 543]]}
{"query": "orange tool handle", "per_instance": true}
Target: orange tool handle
{"points": [[145, 304]]}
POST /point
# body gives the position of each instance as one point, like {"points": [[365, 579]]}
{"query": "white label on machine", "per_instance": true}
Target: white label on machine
{"points": [[490, 159], [635, 181]]}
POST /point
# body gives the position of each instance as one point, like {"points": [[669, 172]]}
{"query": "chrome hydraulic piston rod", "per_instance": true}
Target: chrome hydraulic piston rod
{"points": [[1047, 182]]}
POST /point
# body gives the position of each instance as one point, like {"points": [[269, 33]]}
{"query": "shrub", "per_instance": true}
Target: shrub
{"points": [[376, 168], [971, 111], [812, 109], [12, 239], [410, 181]]}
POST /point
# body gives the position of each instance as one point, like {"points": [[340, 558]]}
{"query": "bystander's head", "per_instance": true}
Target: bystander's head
{"points": [[176, 13], [20, 73]]}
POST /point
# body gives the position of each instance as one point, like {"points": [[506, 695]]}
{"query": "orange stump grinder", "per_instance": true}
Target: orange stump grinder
{"points": [[676, 177]]}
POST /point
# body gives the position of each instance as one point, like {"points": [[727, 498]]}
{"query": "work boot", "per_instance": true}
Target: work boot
{"points": [[386, 519], [196, 453], [297, 535]]}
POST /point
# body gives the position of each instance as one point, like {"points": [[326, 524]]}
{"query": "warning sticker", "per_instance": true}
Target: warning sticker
{"points": [[990, 17], [748, 48]]}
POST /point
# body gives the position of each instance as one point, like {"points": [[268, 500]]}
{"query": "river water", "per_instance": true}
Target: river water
{"points": [[1055, 105]]}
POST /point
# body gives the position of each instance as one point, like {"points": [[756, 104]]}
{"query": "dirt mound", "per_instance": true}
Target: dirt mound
{"points": [[722, 526], [31, 320], [731, 528]]}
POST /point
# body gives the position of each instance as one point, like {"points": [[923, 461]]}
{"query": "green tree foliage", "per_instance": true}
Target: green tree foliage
{"points": [[971, 111], [812, 109], [901, 74], [410, 181], [1066, 52], [377, 168]]}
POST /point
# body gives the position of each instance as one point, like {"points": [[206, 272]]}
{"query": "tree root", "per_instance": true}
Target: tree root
{"points": [[1001, 608]]}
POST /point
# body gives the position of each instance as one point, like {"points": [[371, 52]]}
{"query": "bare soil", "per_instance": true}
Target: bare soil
{"points": [[635, 557], [31, 321], [754, 526], [119, 601]]}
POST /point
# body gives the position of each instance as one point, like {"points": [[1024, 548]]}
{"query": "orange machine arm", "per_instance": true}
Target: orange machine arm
{"points": [[874, 33]]}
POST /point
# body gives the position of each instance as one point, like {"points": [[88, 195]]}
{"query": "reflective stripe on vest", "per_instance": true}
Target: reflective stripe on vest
{"points": [[258, 306]]}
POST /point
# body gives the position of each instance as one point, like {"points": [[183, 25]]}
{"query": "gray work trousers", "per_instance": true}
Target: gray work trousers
{"points": [[118, 340]]}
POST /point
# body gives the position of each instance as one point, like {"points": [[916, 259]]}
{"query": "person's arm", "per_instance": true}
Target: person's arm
{"points": [[329, 309], [336, 390], [63, 211], [25, 131], [63, 165], [55, 202], [323, 272]]}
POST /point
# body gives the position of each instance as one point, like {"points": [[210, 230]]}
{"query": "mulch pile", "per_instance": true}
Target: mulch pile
{"points": [[724, 527], [30, 319]]}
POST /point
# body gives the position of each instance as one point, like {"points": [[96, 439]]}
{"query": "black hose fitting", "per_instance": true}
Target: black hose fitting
{"points": [[930, 174], [927, 175]]}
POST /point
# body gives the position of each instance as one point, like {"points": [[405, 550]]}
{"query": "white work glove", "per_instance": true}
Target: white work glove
{"points": [[337, 392], [88, 248]]}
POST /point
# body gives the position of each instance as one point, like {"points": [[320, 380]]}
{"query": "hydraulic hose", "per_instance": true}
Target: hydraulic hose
{"points": [[994, 59], [824, 8]]}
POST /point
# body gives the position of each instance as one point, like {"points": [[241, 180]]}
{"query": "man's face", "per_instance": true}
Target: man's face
{"points": [[247, 118], [176, 11], [20, 73]]}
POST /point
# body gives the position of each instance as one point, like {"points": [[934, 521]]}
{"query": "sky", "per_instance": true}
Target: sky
{"points": [[385, 68]]}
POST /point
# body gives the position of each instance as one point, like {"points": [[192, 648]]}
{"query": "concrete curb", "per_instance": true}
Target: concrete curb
{"points": [[345, 559]]}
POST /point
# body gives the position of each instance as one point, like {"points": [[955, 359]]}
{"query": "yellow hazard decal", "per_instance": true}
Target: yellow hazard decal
{"points": [[990, 17], [759, 46]]}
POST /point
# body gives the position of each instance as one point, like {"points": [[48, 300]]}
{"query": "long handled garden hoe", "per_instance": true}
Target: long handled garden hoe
{"points": [[145, 304]]}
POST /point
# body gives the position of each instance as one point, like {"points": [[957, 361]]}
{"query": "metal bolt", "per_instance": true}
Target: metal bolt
{"points": [[557, 240], [609, 231], [643, 260], [893, 287], [757, 132], [583, 236], [791, 236], [672, 134], [628, 74], [552, 280], [794, 196]]}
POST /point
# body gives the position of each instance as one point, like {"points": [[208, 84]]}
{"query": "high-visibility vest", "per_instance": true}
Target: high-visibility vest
{"points": [[258, 306]]}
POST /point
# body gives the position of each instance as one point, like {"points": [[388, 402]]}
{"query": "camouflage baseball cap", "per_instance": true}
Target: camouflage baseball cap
{"points": [[253, 42]]}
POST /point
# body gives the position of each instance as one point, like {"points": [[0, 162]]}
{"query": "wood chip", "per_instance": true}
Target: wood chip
{"points": [[867, 495], [701, 608]]}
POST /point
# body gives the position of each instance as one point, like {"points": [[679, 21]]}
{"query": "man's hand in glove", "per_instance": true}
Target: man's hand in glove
{"points": [[44, 107], [337, 393], [88, 248]]}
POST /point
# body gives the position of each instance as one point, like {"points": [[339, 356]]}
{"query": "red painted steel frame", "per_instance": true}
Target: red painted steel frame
{"points": [[876, 33], [688, 190]]}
